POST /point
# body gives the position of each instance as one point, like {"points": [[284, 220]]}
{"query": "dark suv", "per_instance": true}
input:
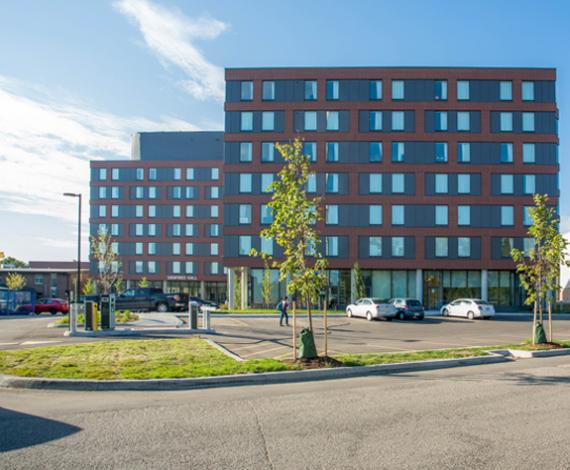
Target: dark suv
{"points": [[146, 298], [408, 308]]}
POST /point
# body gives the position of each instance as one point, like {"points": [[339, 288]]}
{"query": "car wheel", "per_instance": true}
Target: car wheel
{"points": [[470, 315], [368, 316], [162, 308], [421, 317], [38, 313], [445, 312], [349, 313], [401, 316], [53, 311]]}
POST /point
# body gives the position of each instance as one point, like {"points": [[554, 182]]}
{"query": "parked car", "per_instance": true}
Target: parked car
{"points": [[468, 308], [46, 305], [178, 301], [408, 308], [372, 309], [203, 303], [147, 298]]}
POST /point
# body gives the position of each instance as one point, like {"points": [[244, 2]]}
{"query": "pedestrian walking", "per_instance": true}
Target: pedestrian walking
{"points": [[282, 307]]}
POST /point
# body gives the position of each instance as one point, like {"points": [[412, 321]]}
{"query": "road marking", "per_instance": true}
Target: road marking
{"points": [[7, 344], [29, 343], [265, 351]]}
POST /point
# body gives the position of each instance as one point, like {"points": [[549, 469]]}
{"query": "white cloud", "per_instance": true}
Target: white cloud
{"points": [[46, 143], [171, 36]]}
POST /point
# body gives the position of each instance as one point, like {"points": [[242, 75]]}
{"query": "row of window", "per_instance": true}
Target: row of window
{"points": [[154, 192], [175, 267], [398, 211], [152, 174], [398, 152], [397, 123], [398, 90], [153, 230], [174, 211]]}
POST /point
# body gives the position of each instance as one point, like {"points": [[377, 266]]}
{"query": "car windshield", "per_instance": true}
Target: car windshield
{"points": [[414, 303], [380, 301], [481, 302]]}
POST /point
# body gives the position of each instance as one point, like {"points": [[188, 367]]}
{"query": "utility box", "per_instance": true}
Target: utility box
{"points": [[107, 309], [90, 316]]}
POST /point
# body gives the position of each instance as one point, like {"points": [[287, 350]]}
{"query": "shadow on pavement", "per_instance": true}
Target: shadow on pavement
{"points": [[20, 430], [528, 379]]}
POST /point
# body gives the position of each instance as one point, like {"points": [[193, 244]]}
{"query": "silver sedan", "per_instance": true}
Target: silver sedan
{"points": [[372, 309]]}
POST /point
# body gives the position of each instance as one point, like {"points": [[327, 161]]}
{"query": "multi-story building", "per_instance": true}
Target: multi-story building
{"points": [[163, 209], [427, 173]]}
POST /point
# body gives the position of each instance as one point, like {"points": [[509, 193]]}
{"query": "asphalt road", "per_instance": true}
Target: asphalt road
{"points": [[501, 416]]}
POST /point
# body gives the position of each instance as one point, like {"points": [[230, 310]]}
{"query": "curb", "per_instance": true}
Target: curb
{"points": [[138, 332], [224, 350], [522, 354], [7, 381]]}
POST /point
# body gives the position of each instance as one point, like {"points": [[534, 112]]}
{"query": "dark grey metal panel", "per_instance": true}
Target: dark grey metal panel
{"points": [[232, 121], [419, 90], [197, 146], [363, 121], [233, 91], [485, 216], [353, 215], [299, 121], [545, 154], [231, 246], [545, 91], [289, 90], [547, 184], [545, 122], [344, 121], [409, 121], [429, 121], [231, 214], [343, 183], [353, 152], [475, 122], [231, 184], [484, 91], [419, 215], [354, 90]]}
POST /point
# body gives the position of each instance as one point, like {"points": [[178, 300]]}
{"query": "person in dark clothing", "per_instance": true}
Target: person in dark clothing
{"points": [[282, 307]]}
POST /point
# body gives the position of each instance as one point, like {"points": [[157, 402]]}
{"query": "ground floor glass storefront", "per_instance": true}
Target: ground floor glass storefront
{"points": [[386, 284], [441, 287]]}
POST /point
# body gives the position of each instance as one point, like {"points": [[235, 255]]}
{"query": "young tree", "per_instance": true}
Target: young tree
{"points": [[103, 252], [11, 262], [88, 287], [358, 281], [237, 290], [539, 267], [266, 286], [295, 216], [143, 282], [15, 281]]}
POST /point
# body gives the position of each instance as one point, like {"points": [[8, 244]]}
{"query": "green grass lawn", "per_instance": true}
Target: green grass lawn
{"points": [[131, 359], [392, 358]]}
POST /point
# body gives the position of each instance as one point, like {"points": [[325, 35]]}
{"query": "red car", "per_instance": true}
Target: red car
{"points": [[52, 306]]}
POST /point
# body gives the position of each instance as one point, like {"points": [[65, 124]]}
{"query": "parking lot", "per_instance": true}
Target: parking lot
{"points": [[252, 337]]}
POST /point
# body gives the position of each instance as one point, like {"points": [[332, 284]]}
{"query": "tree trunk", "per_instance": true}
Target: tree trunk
{"points": [[534, 320], [309, 313], [550, 321], [325, 320], [294, 330]]}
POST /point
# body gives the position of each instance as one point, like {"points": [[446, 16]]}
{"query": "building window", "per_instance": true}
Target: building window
{"points": [[214, 192], [310, 120], [507, 217], [189, 230], [507, 184], [332, 89], [266, 180], [215, 174], [189, 249], [152, 174], [139, 174], [463, 247], [267, 151], [189, 211], [506, 91], [245, 151], [139, 230], [463, 183], [527, 91], [529, 153], [506, 247], [464, 215], [139, 192], [245, 213], [152, 230], [176, 211], [266, 214], [463, 152], [176, 249], [214, 249], [115, 192], [189, 267], [331, 217], [440, 90], [398, 185], [440, 215], [506, 153], [246, 121], [332, 151], [397, 246], [151, 246], [139, 267], [375, 215], [266, 245], [331, 246], [398, 151], [528, 246], [441, 247], [310, 149], [375, 152], [214, 211], [115, 174], [310, 90], [375, 183], [397, 120], [267, 121], [115, 229], [441, 152], [244, 245], [177, 174], [398, 217], [529, 184], [375, 121], [189, 174], [268, 91], [528, 122], [139, 248], [103, 211], [462, 90], [440, 120], [332, 121], [506, 122], [176, 230], [527, 219], [332, 182], [397, 89], [246, 91], [312, 183], [375, 246], [176, 267], [441, 180], [463, 121], [102, 174], [375, 89], [176, 192]]}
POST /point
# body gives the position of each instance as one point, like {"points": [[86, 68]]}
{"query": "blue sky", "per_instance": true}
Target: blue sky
{"points": [[77, 78]]}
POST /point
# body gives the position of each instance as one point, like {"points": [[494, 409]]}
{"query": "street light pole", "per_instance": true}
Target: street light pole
{"points": [[78, 280]]}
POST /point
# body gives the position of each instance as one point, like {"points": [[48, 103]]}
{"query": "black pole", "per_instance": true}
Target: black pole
{"points": [[78, 280]]}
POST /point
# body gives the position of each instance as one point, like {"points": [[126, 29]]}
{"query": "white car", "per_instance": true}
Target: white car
{"points": [[468, 308], [372, 309]]}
